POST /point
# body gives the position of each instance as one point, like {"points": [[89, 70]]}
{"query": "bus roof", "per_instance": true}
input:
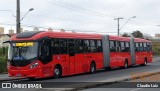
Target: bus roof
{"points": [[119, 38], [140, 40], [34, 35], [30, 35]]}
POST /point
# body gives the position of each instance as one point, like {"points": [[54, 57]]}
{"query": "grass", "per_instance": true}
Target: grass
{"points": [[156, 48], [3, 64], [3, 60]]}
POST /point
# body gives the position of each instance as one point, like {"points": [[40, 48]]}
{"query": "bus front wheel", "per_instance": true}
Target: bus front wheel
{"points": [[125, 64], [31, 78], [57, 72], [145, 62], [92, 68]]}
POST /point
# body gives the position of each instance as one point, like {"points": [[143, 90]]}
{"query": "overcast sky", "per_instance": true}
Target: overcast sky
{"points": [[85, 15]]}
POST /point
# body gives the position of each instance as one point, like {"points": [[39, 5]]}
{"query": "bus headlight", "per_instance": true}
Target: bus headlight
{"points": [[33, 65]]}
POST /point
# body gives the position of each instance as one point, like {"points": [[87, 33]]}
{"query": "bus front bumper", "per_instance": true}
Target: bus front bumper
{"points": [[35, 73]]}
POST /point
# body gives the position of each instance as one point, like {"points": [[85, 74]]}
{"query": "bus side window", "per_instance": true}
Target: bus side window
{"points": [[122, 47], [99, 46], [141, 47], [112, 45], [118, 46], [93, 45], [87, 47], [145, 47], [71, 46], [127, 47], [63, 46], [46, 51], [79, 46], [137, 47], [44, 48], [55, 46], [148, 47]]}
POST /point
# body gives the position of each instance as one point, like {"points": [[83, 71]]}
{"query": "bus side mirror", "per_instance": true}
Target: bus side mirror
{"points": [[6, 42]]}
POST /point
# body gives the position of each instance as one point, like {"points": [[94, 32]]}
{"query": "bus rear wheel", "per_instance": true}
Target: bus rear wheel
{"points": [[145, 62], [57, 72], [31, 78], [125, 65], [92, 68]]}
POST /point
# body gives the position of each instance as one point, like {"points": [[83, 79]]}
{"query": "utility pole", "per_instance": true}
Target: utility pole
{"points": [[18, 24], [118, 19]]}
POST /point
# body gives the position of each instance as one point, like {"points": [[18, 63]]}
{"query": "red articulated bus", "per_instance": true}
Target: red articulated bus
{"points": [[39, 54]]}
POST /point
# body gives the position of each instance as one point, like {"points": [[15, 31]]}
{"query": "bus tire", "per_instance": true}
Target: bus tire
{"points": [[125, 64], [145, 62], [107, 68], [92, 67], [57, 72], [31, 78]]}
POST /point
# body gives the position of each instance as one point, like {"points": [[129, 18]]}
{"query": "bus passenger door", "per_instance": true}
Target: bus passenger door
{"points": [[71, 56], [45, 56]]}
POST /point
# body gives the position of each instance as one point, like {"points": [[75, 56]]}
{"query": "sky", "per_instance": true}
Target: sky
{"points": [[84, 15]]}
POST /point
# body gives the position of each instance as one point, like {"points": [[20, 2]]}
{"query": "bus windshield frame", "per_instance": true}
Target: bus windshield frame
{"points": [[23, 51]]}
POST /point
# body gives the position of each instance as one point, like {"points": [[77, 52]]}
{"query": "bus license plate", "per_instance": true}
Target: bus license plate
{"points": [[18, 75]]}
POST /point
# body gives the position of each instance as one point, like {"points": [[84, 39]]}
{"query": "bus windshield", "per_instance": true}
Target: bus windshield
{"points": [[23, 51]]}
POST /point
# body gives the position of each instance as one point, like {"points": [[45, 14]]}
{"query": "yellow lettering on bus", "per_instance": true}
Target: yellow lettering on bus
{"points": [[25, 44]]}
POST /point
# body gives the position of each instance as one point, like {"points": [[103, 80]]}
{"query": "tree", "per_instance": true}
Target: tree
{"points": [[147, 36], [50, 29], [35, 29], [126, 35], [137, 34]]}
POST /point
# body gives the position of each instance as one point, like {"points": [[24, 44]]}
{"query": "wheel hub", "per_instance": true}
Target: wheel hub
{"points": [[92, 69], [56, 71], [125, 65]]}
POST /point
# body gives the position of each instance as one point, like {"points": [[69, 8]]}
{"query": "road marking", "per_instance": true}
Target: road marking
{"points": [[136, 89]]}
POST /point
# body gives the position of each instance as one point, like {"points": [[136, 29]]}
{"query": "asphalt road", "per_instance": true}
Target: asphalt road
{"points": [[99, 76], [153, 79]]}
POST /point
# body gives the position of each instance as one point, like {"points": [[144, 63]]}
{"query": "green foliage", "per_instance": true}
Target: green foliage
{"points": [[126, 35], [137, 34], [3, 60], [156, 48], [3, 64]]}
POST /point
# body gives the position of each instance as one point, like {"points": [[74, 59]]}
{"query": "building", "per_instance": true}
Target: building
{"points": [[62, 30], [157, 35], [21, 30], [11, 31], [35, 29], [50, 29], [4, 37], [26, 30], [1, 30]]}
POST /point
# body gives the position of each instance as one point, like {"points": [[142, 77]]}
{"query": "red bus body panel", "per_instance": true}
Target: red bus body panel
{"points": [[117, 59], [79, 63], [139, 56]]}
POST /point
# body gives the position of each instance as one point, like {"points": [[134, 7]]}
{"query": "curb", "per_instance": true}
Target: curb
{"points": [[11, 79], [3, 73]]}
